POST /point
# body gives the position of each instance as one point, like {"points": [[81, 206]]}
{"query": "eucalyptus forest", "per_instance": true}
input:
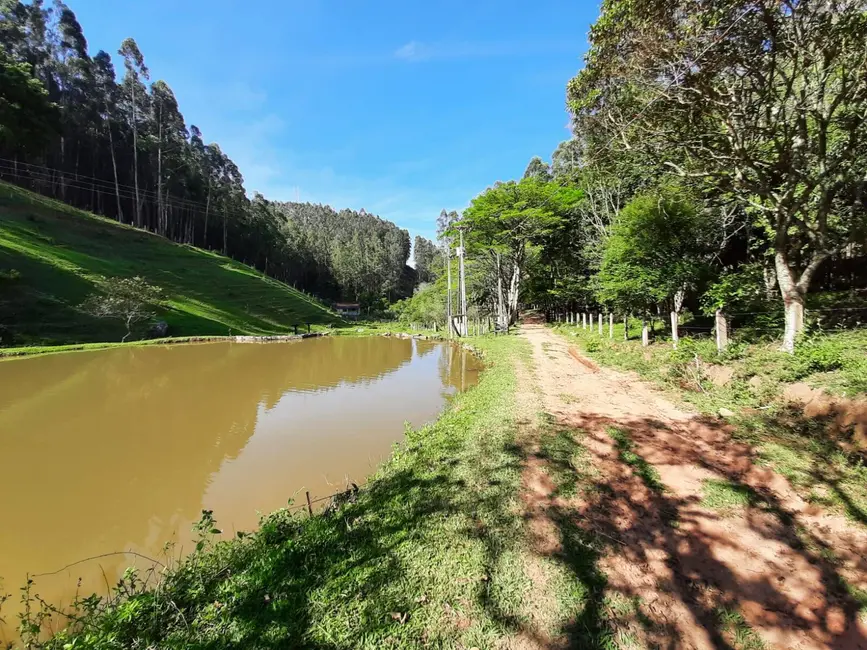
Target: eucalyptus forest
{"points": [[118, 145], [617, 401]]}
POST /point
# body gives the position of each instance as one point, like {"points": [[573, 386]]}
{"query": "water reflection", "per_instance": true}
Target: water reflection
{"points": [[122, 449]]}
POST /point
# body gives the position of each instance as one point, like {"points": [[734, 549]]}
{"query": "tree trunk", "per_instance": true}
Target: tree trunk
{"points": [[793, 293], [501, 302], [207, 211], [514, 284], [114, 169], [160, 208], [135, 160]]}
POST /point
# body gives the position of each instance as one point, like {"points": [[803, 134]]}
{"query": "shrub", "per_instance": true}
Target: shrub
{"points": [[816, 354]]}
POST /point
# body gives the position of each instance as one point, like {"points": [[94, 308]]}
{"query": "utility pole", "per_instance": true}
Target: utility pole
{"points": [[448, 255], [463, 287]]}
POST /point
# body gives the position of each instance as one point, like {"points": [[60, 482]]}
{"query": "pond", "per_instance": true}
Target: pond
{"points": [[121, 449]]}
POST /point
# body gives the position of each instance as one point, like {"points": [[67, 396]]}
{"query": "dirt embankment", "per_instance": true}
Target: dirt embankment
{"points": [[714, 550]]}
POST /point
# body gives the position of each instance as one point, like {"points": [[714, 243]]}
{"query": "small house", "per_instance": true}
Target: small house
{"points": [[348, 309]]}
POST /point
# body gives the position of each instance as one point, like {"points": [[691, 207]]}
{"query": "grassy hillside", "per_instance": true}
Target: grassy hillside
{"points": [[51, 255]]}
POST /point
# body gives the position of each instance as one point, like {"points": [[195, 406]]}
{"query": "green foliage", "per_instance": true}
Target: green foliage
{"points": [[27, 117], [738, 290], [658, 246], [128, 299], [815, 354], [506, 223], [726, 496], [710, 92], [426, 306]]}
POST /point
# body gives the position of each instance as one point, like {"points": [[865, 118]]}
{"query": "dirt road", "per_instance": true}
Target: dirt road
{"points": [[713, 550]]}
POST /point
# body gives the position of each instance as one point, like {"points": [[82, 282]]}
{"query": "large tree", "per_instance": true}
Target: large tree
{"points": [[504, 223], [659, 248], [763, 100]]}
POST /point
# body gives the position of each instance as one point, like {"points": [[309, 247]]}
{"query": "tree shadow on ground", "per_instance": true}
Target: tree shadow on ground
{"points": [[626, 511]]}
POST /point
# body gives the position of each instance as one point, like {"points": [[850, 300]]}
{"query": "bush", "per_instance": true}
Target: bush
{"points": [[816, 354], [10, 275]]}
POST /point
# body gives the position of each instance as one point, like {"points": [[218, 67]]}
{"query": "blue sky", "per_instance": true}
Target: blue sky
{"points": [[400, 107]]}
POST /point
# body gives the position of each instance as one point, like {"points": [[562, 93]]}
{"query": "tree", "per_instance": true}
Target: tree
{"points": [[27, 117], [135, 94], [763, 100], [538, 169], [659, 247], [505, 221], [425, 254], [126, 299]]}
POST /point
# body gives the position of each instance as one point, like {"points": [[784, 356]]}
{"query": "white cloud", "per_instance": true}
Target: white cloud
{"points": [[415, 51], [412, 51]]}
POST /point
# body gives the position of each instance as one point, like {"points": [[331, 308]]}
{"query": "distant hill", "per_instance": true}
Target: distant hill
{"points": [[51, 254]]}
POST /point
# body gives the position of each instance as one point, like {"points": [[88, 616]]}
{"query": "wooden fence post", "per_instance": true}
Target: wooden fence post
{"points": [[722, 331], [625, 327], [309, 504]]}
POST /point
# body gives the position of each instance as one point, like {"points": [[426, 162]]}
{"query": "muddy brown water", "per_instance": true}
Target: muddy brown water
{"points": [[122, 449]]}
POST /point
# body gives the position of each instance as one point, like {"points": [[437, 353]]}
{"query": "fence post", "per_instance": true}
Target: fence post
{"points": [[611, 325], [625, 327], [645, 335], [674, 333], [309, 504], [722, 331], [600, 323]]}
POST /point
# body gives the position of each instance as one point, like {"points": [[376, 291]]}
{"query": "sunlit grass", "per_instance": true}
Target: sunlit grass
{"points": [[57, 253]]}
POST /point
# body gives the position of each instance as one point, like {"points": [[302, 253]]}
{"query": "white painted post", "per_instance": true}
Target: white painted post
{"points": [[583, 320], [674, 333], [645, 335], [722, 331], [611, 325], [600, 323]]}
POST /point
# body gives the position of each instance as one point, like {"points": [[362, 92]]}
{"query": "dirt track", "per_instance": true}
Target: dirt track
{"points": [[779, 561]]}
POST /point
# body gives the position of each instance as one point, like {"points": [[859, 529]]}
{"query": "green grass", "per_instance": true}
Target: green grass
{"points": [[567, 461], [644, 470], [51, 254], [738, 632], [727, 497]]}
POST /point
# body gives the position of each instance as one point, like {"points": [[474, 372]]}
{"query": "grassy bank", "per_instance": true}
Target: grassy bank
{"points": [[51, 255], [819, 453], [428, 554]]}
